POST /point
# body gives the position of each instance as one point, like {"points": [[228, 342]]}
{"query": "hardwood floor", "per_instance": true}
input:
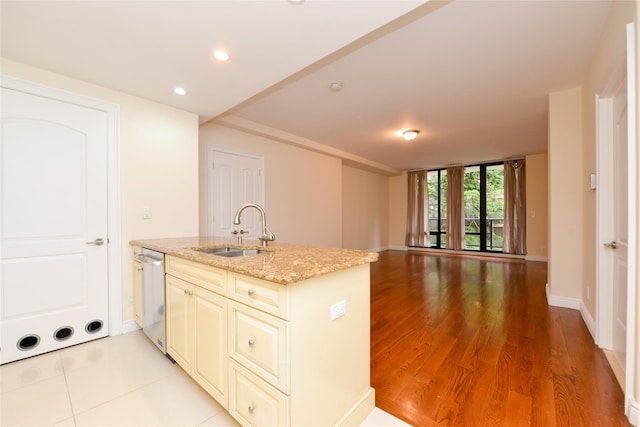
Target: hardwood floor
{"points": [[461, 341]]}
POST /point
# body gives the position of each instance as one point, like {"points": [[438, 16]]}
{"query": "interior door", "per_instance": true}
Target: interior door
{"points": [[54, 258], [234, 181], [619, 244]]}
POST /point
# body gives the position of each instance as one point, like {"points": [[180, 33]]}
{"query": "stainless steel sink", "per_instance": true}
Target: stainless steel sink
{"points": [[230, 252]]}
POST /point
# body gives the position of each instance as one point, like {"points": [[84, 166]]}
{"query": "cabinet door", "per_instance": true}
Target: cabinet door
{"points": [[178, 301], [210, 343], [138, 310], [252, 402]]}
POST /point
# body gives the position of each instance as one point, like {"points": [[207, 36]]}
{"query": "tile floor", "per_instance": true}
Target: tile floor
{"points": [[115, 381]]}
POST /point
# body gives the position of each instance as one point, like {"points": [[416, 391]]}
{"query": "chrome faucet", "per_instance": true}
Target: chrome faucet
{"points": [[266, 236]]}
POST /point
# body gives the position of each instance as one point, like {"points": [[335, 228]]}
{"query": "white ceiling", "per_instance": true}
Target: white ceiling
{"points": [[473, 76]]}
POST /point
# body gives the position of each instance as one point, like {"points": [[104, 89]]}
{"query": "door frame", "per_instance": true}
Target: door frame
{"points": [[114, 251], [211, 148], [604, 213]]}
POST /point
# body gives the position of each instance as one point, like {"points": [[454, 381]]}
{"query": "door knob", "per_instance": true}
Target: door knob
{"points": [[97, 242], [613, 244]]}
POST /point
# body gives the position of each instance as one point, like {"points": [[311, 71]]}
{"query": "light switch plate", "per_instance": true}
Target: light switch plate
{"points": [[338, 309]]}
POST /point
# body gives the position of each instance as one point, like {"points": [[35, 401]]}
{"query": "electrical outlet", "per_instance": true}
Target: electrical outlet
{"points": [[338, 309]]}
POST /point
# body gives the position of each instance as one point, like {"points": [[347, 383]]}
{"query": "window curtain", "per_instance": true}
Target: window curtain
{"points": [[417, 222], [455, 208], [514, 239]]}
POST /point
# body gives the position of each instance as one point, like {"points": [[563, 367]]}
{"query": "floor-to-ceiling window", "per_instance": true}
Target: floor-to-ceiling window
{"points": [[437, 189], [483, 207]]}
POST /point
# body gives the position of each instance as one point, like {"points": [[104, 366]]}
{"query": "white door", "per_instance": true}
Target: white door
{"points": [[619, 244], [53, 259], [235, 180]]}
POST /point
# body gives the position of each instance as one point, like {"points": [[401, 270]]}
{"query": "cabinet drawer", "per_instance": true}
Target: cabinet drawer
{"points": [[252, 402], [260, 343], [266, 296], [205, 276]]}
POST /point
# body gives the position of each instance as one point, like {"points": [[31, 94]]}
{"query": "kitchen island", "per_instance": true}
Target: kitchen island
{"points": [[277, 338]]}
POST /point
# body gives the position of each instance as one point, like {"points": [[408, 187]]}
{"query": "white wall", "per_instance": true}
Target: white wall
{"points": [[398, 188], [565, 194], [607, 64], [537, 207], [303, 189], [365, 209], [158, 165]]}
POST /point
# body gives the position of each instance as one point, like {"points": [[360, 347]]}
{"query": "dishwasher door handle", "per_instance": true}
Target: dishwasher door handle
{"points": [[148, 260]]}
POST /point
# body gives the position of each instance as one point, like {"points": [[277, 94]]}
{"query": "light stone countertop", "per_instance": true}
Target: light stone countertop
{"points": [[284, 263]]}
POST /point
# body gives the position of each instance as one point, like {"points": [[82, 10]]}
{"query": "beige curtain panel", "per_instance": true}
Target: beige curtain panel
{"points": [[514, 239], [455, 208], [417, 225]]}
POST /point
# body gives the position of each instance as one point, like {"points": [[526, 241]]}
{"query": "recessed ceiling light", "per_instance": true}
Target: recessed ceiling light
{"points": [[221, 55], [180, 91], [411, 134], [296, 1]]}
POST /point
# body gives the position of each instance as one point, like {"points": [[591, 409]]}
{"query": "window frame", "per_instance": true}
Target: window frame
{"points": [[483, 209]]}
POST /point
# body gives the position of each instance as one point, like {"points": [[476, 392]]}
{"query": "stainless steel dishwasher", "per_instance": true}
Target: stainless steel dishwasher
{"points": [[153, 296]]}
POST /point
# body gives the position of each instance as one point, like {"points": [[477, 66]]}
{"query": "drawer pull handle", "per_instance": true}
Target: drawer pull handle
{"points": [[251, 342], [251, 408], [251, 292]]}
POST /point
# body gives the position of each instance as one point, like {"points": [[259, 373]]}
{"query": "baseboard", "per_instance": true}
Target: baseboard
{"points": [[588, 320], [361, 410], [537, 258], [563, 302], [633, 412], [129, 326], [398, 248]]}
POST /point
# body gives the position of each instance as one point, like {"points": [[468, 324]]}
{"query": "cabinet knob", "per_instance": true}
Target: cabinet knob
{"points": [[251, 342], [251, 292], [186, 292], [251, 408]]}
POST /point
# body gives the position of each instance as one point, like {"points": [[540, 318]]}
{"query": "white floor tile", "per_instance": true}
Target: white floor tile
{"points": [[173, 401], [69, 422], [108, 379], [116, 381], [117, 348], [380, 418], [43, 403], [29, 371], [223, 419]]}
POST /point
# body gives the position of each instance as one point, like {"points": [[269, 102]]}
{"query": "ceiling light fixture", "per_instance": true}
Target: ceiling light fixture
{"points": [[410, 135], [221, 55], [180, 91], [336, 86]]}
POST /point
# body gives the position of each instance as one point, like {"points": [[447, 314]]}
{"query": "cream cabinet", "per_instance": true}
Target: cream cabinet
{"points": [[291, 362], [287, 360], [138, 310], [197, 326]]}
